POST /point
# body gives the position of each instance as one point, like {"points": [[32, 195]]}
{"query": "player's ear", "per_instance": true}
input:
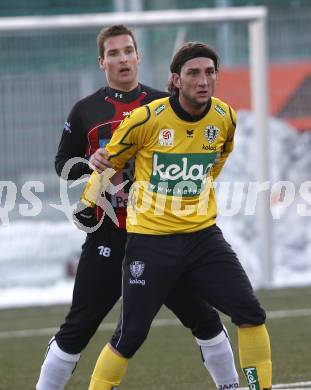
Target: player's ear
{"points": [[101, 62], [175, 78], [138, 57]]}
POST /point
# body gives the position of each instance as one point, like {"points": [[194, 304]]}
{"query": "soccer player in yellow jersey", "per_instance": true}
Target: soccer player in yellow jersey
{"points": [[180, 144]]}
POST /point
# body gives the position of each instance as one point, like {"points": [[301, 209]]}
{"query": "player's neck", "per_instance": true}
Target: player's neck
{"points": [[124, 87], [192, 109], [184, 114]]}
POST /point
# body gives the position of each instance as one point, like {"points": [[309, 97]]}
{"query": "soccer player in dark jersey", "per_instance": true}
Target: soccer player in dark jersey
{"points": [[180, 144], [97, 287]]}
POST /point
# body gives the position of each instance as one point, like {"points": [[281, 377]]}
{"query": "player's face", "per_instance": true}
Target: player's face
{"points": [[196, 83], [120, 62]]}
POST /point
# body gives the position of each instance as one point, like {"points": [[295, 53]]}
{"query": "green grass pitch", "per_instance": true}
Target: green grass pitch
{"points": [[169, 359]]}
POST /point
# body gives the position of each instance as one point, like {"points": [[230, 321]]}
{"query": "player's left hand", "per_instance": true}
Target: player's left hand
{"points": [[84, 217]]}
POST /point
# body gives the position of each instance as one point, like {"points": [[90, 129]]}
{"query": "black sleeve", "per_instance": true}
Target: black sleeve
{"points": [[72, 144]]}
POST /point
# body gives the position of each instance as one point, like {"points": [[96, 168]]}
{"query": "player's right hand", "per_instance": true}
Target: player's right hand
{"points": [[99, 161], [84, 217]]}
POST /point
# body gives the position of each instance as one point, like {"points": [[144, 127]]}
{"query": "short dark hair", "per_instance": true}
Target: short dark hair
{"points": [[112, 31], [188, 51]]}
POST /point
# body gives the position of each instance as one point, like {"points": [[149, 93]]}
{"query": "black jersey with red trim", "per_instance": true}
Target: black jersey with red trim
{"points": [[90, 126]]}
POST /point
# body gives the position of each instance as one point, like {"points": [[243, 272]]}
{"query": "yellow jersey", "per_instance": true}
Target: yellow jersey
{"points": [[177, 157]]}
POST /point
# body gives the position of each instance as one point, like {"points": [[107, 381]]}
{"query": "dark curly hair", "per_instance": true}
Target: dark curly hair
{"points": [[188, 51]]}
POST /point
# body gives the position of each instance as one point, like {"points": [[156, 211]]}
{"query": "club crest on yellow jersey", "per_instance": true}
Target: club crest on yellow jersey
{"points": [[211, 133]]}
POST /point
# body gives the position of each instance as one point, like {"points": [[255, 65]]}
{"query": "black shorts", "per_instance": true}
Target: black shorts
{"points": [[96, 290], [154, 264], [98, 287]]}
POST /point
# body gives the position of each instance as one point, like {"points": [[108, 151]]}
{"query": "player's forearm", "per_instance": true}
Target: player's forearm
{"points": [[98, 181], [95, 186], [219, 165], [76, 170], [92, 190]]}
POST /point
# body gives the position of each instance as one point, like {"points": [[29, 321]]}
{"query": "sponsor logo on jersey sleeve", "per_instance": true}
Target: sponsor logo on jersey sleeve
{"points": [[159, 109], [67, 127], [220, 110], [166, 137], [211, 133]]}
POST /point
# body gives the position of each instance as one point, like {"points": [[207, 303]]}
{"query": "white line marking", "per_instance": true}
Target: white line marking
{"points": [[28, 333], [51, 331], [289, 313], [156, 323], [291, 386]]}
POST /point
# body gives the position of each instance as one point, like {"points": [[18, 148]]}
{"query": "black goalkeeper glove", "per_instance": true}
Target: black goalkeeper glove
{"points": [[84, 217]]}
